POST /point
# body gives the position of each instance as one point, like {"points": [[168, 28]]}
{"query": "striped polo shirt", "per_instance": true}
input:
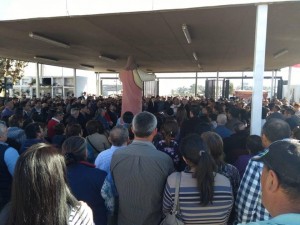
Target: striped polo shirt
{"points": [[192, 212]]}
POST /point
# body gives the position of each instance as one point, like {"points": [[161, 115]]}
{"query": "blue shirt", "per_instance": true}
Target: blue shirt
{"points": [[103, 162], [223, 131], [11, 156], [284, 219]]}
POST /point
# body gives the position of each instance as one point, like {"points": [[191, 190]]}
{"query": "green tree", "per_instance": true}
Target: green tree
{"points": [[12, 69]]}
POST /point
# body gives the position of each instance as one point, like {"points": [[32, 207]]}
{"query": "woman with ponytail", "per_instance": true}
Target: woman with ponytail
{"points": [[205, 197]]}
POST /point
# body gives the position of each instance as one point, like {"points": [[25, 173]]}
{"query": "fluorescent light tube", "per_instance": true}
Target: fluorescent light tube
{"points": [[186, 33], [195, 56], [280, 53], [87, 66], [110, 70], [44, 58], [106, 58], [48, 40]]}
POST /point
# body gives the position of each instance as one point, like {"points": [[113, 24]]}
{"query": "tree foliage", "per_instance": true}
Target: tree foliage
{"points": [[188, 91], [12, 68]]}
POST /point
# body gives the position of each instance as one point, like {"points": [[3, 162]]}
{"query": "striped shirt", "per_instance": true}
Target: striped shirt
{"points": [[81, 215], [189, 200]]}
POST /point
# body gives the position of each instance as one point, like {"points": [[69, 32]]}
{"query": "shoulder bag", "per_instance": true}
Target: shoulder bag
{"points": [[173, 218]]}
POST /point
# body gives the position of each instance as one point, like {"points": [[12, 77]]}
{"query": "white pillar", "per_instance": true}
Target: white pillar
{"points": [[272, 85], [37, 83], [196, 84], [97, 83], [259, 67], [75, 83], [289, 91], [275, 84], [217, 91]]}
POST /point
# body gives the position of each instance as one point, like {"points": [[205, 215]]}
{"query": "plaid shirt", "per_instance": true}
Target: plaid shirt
{"points": [[248, 204]]}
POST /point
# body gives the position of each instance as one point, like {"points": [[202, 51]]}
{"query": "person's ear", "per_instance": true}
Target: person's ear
{"points": [[272, 183], [265, 141]]}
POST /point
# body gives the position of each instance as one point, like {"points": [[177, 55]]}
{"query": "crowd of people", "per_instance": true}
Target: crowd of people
{"points": [[83, 161]]}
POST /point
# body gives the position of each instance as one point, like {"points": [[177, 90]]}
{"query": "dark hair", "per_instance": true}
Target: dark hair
{"points": [[254, 144], [193, 149], [40, 194], [296, 133], [127, 117], [289, 184], [264, 112], [195, 109], [169, 130], [234, 112], [118, 135], [200, 128], [32, 129], [181, 115], [26, 122], [14, 121], [214, 144], [73, 129], [74, 148], [276, 129], [94, 126]]}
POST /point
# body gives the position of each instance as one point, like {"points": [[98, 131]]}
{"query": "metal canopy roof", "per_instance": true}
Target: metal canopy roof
{"points": [[222, 37]]}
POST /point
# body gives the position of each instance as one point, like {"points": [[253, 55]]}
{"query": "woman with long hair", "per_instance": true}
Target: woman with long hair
{"points": [[168, 144], [205, 197], [214, 144], [40, 194], [87, 183]]}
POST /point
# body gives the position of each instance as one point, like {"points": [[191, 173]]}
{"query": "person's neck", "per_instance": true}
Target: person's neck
{"points": [[284, 206], [143, 139]]}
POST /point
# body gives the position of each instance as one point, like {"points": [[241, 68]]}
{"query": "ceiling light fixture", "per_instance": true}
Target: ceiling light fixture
{"points": [[199, 66], [106, 58], [44, 58], [280, 53], [87, 66], [186, 33], [48, 40], [195, 56], [110, 70]]}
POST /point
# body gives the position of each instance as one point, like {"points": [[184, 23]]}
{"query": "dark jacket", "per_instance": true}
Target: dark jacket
{"points": [[5, 178], [86, 183]]}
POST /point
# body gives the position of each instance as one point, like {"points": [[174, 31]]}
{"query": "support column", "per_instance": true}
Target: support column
{"points": [[242, 80], [37, 88], [97, 83], [272, 85], [259, 66], [217, 91], [275, 86], [196, 84], [157, 87], [289, 85], [75, 82]]}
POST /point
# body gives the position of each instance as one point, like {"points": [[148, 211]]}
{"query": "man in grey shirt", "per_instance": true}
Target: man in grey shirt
{"points": [[140, 172]]}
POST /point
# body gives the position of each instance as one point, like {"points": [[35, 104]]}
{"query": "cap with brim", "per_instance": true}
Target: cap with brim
{"points": [[283, 157]]}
